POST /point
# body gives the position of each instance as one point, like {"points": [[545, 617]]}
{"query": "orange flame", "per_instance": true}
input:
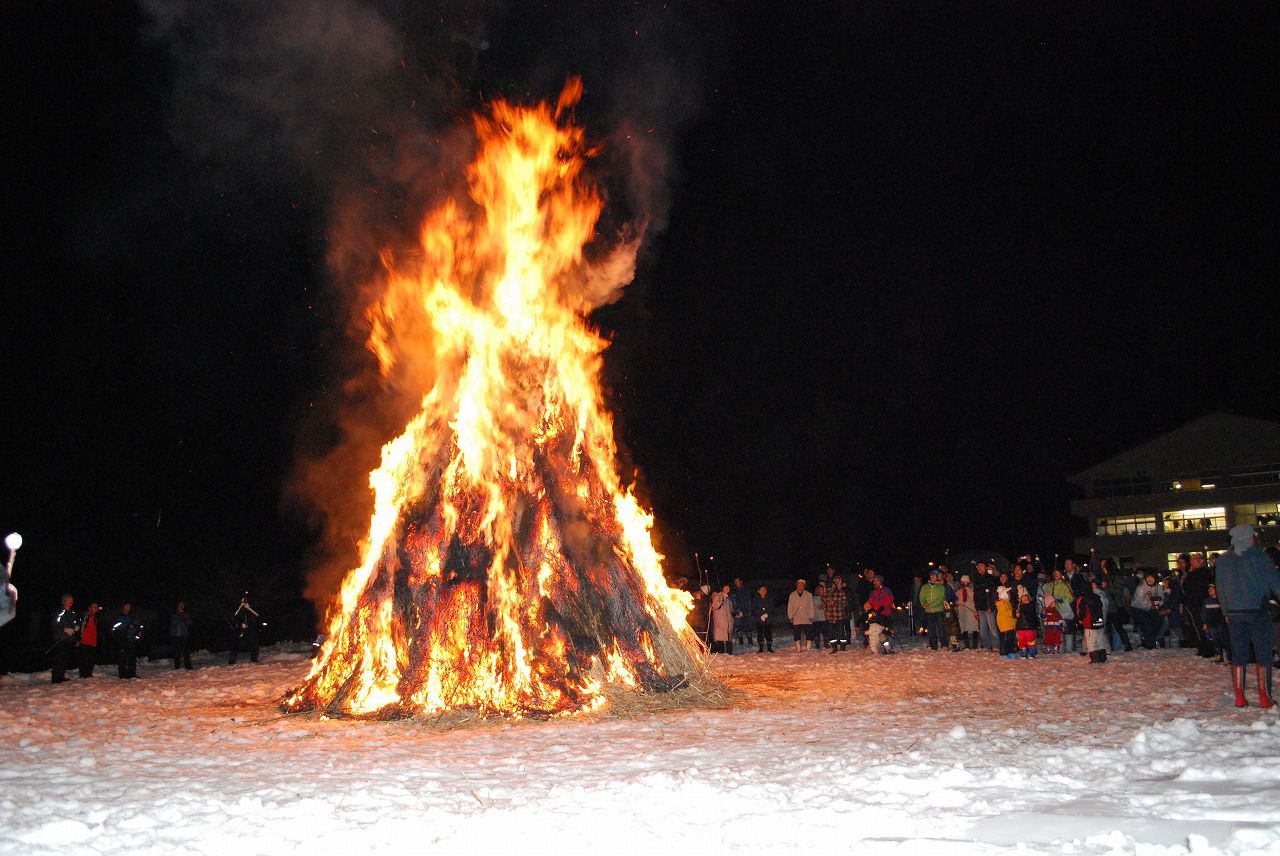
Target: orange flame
{"points": [[506, 567]]}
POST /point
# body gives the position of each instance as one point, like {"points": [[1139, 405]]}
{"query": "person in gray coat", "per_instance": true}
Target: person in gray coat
{"points": [[1246, 578]]}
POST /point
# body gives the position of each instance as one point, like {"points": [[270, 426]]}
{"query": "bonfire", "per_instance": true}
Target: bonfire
{"points": [[507, 568]]}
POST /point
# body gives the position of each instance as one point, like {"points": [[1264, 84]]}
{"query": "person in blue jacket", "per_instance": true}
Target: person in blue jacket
{"points": [[1245, 578]]}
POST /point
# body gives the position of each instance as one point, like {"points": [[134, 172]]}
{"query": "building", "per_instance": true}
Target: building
{"points": [[1182, 491]]}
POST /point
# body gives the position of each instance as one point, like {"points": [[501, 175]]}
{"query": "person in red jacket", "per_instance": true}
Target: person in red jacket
{"points": [[87, 651]]}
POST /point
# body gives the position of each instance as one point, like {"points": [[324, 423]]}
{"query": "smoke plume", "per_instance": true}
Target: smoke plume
{"points": [[366, 106]]}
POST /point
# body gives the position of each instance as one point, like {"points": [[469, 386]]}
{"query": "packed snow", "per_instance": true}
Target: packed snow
{"points": [[914, 753]]}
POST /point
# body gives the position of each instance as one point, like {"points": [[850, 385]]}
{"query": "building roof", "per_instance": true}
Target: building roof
{"points": [[1216, 441]]}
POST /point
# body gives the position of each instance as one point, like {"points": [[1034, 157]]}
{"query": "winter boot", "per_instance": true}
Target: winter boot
{"points": [[728, 647], [1237, 680], [1102, 656], [1262, 673], [1032, 651]]}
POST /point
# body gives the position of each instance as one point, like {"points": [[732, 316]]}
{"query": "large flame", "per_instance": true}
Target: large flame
{"points": [[506, 567]]}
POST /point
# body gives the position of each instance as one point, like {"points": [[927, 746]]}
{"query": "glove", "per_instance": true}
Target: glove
{"points": [[764, 617]]}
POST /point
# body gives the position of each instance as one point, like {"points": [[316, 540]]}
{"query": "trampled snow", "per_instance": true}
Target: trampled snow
{"points": [[916, 753]]}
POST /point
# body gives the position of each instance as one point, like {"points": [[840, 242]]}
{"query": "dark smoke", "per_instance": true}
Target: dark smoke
{"points": [[366, 106]]}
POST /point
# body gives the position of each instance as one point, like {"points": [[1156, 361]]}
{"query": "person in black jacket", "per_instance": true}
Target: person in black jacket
{"points": [[862, 587], [127, 632], [1092, 618], [761, 617], [1195, 588], [66, 627], [1027, 626], [245, 624], [180, 636], [984, 600]]}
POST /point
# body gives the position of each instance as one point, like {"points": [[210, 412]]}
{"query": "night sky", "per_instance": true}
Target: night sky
{"points": [[913, 264]]}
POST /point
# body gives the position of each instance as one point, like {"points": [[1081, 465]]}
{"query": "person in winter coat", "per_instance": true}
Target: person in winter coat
{"points": [[741, 597], [836, 608], [1053, 624], [90, 636], [800, 613], [127, 632], [1246, 577], [984, 600], [1195, 588], [967, 612], [861, 592], [1170, 633], [1026, 625], [1213, 624], [933, 601], [879, 611], [819, 627], [246, 625], [1006, 623], [66, 627], [760, 612], [1092, 617], [722, 621], [1115, 633], [1145, 606], [180, 636]]}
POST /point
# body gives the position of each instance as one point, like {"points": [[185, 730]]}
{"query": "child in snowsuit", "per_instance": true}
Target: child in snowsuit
{"points": [[1053, 625], [1214, 625], [1027, 624], [1006, 623]]}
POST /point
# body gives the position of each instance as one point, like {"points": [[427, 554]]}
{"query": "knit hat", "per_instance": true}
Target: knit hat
{"points": [[1050, 600], [1241, 537], [1002, 592], [964, 578]]}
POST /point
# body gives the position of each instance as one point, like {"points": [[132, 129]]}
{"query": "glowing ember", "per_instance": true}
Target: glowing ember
{"points": [[506, 568]]}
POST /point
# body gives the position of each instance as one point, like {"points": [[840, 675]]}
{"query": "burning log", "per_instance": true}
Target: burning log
{"points": [[507, 569]]}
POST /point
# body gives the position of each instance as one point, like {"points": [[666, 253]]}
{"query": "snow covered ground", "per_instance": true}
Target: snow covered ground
{"points": [[917, 753]]}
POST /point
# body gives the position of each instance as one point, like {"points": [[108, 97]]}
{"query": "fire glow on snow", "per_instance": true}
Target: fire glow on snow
{"points": [[918, 753]]}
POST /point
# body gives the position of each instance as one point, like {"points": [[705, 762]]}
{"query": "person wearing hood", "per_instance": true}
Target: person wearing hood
{"points": [[1246, 577]]}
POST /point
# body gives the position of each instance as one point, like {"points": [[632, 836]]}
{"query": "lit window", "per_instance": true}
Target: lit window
{"points": [[1133, 525], [1266, 514], [1195, 519]]}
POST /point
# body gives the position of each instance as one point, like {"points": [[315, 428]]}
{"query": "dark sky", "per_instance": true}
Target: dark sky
{"points": [[920, 263]]}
